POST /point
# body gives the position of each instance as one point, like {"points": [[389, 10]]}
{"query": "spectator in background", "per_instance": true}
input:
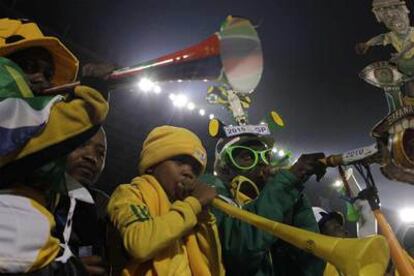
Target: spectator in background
{"points": [[330, 223], [88, 237]]}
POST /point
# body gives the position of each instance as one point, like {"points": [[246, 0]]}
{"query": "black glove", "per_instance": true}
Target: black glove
{"points": [[308, 165]]}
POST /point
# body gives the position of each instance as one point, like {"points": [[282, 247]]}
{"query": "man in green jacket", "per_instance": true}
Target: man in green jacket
{"points": [[244, 168]]}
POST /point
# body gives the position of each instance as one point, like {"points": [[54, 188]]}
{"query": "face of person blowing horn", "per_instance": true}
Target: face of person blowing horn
{"points": [[252, 157]]}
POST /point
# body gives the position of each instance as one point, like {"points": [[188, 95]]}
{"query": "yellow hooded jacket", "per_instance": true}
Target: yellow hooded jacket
{"points": [[164, 238]]}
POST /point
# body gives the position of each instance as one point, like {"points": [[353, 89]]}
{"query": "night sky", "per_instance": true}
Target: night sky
{"points": [[310, 72]]}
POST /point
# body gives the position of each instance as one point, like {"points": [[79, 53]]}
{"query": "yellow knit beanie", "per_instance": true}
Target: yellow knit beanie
{"points": [[165, 142]]}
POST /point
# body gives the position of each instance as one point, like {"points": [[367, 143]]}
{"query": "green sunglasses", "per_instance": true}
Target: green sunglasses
{"points": [[245, 158]]}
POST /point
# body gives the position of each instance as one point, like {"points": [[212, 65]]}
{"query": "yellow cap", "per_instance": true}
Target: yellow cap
{"points": [[19, 34], [165, 142]]}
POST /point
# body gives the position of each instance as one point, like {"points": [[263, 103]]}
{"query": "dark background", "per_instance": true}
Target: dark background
{"points": [[310, 73]]}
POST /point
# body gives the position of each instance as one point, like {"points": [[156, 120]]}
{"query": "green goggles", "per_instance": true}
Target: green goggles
{"points": [[245, 158]]}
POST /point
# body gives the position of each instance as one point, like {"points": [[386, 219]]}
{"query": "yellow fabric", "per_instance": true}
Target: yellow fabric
{"points": [[20, 82], [65, 63], [165, 142], [164, 238], [399, 44], [330, 270], [67, 119], [51, 249]]}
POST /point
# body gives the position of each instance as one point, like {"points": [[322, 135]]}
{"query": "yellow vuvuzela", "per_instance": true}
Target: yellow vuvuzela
{"points": [[353, 257]]}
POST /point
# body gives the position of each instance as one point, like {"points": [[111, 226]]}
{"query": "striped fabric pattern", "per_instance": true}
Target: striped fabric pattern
{"points": [[21, 119], [21, 114]]}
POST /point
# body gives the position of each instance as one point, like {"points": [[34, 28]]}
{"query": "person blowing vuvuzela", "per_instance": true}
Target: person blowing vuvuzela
{"points": [[162, 215]]}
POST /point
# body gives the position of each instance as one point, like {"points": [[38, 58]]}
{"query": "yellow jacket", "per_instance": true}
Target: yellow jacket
{"points": [[163, 238], [330, 270]]}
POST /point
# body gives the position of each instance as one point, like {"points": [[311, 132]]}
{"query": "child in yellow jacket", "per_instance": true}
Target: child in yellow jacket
{"points": [[161, 215]]}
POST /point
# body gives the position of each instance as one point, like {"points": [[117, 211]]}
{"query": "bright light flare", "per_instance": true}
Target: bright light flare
{"points": [[202, 112], [211, 116], [180, 101], [145, 84], [337, 184], [190, 106], [157, 89], [281, 153], [407, 215]]}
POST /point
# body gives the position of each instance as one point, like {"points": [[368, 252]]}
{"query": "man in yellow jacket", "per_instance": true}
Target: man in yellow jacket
{"points": [[162, 215]]}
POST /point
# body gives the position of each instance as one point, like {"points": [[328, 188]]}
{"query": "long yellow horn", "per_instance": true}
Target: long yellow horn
{"points": [[354, 257]]}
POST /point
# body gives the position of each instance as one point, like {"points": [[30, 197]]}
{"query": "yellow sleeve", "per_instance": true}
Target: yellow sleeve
{"points": [[330, 270], [67, 120], [209, 242], [144, 236]]}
